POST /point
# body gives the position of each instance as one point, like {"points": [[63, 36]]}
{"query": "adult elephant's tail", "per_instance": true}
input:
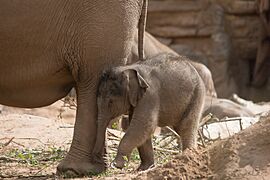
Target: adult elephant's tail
{"points": [[142, 24]]}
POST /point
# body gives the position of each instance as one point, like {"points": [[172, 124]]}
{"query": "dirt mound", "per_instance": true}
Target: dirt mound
{"points": [[191, 165], [245, 155]]}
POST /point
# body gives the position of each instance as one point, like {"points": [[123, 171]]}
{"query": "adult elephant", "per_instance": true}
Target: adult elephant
{"points": [[48, 47]]}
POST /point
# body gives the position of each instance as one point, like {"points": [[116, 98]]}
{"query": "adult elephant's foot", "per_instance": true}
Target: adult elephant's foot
{"points": [[72, 168], [78, 169], [78, 164]]}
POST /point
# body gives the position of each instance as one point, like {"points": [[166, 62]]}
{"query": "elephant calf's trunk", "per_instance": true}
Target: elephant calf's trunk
{"points": [[100, 141]]}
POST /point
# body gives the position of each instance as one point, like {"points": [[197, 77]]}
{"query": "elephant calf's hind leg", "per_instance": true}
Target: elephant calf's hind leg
{"points": [[187, 128]]}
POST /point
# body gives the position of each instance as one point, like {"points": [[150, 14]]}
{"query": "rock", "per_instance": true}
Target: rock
{"points": [[238, 6], [172, 31], [176, 6], [178, 19], [223, 32], [242, 27], [211, 20], [244, 48]]}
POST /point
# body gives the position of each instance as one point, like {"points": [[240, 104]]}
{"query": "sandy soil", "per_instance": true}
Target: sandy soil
{"points": [[56, 111]]}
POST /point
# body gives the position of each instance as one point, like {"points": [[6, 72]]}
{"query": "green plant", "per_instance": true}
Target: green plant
{"points": [[35, 157]]}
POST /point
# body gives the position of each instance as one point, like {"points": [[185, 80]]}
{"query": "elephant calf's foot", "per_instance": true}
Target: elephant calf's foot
{"points": [[120, 162], [145, 166], [71, 168]]}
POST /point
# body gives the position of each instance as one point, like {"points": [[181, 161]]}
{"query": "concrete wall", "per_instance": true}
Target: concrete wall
{"points": [[219, 33]]}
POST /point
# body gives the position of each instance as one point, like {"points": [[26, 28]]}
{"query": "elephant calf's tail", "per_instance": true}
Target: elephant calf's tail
{"points": [[142, 24]]}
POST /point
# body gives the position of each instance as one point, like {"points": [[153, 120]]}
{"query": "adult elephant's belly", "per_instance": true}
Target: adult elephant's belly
{"points": [[31, 86]]}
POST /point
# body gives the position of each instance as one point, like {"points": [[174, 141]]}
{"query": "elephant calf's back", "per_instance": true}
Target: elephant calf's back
{"points": [[179, 87]]}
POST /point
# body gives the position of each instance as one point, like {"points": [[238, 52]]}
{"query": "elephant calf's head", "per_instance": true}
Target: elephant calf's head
{"points": [[119, 90]]}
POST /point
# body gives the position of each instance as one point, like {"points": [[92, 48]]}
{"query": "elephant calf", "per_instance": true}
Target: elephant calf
{"points": [[165, 90]]}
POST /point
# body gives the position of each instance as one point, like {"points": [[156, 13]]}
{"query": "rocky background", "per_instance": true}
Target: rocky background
{"points": [[221, 34]]}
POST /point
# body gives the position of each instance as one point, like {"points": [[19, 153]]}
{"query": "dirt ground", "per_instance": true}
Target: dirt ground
{"points": [[32, 142]]}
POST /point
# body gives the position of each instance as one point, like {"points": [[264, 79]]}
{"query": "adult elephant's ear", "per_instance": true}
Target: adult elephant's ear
{"points": [[137, 86]]}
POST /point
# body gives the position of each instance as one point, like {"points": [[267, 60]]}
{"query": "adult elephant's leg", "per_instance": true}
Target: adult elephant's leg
{"points": [[107, 38], [78, 160]]}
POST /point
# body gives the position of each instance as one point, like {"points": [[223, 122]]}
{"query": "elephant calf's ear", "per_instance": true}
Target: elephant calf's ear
{"points": [[136, 86]]}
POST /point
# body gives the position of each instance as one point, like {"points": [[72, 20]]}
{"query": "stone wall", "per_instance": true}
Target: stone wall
{"points": [[222, 34]]}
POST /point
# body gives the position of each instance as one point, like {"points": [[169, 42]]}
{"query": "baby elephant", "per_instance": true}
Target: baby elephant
{"points": [[162, 91]]}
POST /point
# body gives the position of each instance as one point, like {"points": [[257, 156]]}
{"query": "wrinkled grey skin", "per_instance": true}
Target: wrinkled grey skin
{"points": [[162, 91], [48, 47]]}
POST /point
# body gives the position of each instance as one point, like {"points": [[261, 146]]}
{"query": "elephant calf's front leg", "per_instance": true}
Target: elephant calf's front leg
{"points": [[145, 150], [137, 135], [146, 155]]}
